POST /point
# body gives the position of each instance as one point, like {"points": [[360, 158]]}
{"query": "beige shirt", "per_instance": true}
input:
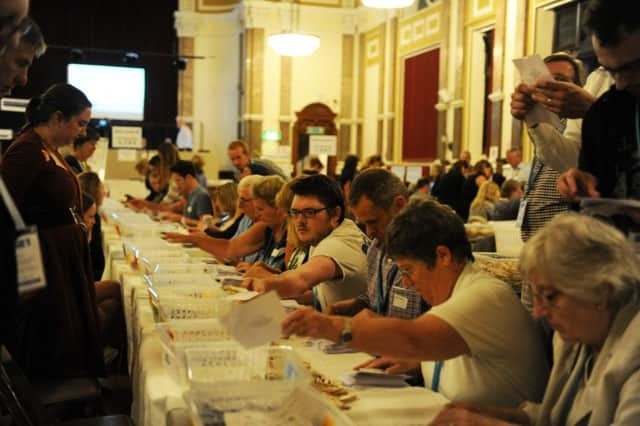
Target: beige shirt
{"points": [[347, 247], [506, 364]]}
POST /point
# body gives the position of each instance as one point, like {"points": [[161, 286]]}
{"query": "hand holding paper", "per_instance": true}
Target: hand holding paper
{"points": [[532, 69], [256, 322]]}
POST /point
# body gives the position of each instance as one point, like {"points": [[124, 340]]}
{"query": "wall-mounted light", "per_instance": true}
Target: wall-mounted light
{"points": [[180, 63]]}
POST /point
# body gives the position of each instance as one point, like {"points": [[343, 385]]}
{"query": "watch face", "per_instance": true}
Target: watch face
{"points": [[346, 337]]}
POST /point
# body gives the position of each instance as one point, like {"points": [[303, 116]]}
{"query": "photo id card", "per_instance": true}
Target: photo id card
{"points": [[29, 261]]}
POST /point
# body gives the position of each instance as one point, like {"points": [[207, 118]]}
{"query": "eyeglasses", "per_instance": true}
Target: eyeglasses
{"points": [[546, 298], [306, 213]]}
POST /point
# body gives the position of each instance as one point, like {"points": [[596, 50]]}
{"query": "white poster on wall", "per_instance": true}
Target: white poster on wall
{"points": [[323, 145], [493, 153], [126, 137]]}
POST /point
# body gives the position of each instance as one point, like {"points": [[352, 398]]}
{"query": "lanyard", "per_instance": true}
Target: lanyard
{"points": [[533, 174], [382, 297], [435, 380], [13, 210]]}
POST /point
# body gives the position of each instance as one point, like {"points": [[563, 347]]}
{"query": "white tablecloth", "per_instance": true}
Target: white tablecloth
{"points": [[155, 393]]}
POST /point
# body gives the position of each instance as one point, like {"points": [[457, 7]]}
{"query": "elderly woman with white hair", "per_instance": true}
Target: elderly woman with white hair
{"points": [[584, 275]]}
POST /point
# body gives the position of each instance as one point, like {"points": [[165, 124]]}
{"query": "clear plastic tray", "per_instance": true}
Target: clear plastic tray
{"points": [[180, 308], [190, 266], [177, 336], [227, 378], [202, 279]]}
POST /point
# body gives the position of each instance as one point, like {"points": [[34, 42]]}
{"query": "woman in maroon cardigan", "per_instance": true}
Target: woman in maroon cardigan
{"points": [[57, 333]]}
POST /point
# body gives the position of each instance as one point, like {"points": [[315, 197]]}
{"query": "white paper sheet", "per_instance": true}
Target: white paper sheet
{"points": [[532, 68], [256, 322]]}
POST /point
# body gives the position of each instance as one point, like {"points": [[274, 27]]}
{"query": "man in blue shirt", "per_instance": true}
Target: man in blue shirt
{"points": [[183, 175]]}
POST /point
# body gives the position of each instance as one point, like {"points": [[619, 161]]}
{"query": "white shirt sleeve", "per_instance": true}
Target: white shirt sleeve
{"points": [[560, 151]]}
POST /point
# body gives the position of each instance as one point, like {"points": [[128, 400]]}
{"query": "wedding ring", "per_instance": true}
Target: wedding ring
{"points": [[548, 100]]}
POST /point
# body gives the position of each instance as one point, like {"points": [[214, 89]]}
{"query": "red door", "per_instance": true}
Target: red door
{"points": [[420, 119]]}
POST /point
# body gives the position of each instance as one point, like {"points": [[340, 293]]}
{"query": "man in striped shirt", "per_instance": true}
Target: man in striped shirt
{"points": [[556, 148]]}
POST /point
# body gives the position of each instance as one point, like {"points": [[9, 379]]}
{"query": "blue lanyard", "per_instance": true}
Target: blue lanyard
{"points": [[382, 297], [435, 380], [533, 175]]}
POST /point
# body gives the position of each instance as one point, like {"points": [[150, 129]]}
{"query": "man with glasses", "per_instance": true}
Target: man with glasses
{"points": [[609, 164], [477, 343], [337, 265]]}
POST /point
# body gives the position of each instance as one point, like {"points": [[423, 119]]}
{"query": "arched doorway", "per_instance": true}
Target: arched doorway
{"points": [[315, 118]]}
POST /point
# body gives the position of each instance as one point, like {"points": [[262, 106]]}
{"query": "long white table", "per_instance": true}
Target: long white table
{"points": [[155, 394]]}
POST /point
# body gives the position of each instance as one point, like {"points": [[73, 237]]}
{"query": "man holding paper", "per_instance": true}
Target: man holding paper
{"points": [[337, 265], [556, 91], [477, 343]]}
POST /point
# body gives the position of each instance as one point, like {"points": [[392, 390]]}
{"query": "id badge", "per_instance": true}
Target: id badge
{"points": [[400, 302], [29, 261], [521, 212]]}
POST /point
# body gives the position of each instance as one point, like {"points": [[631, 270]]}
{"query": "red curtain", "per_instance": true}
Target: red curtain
{"points": [[420, 119]]}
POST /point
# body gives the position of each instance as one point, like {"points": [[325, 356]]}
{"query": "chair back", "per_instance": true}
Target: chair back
{"points": [[16, 393]]}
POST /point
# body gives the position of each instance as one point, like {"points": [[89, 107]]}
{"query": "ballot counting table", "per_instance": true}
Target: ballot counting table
{"points": [[157, 396]]}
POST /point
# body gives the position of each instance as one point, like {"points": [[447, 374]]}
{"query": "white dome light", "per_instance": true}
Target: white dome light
{"points": [[294, 44], [387, 4]]}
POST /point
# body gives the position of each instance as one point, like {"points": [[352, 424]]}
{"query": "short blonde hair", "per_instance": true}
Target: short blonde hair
{"points": [[249, 181], [268, 188], [579, 255]]}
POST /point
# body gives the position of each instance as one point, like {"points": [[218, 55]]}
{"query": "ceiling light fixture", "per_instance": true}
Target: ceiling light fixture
{"points": [[293, 42]]}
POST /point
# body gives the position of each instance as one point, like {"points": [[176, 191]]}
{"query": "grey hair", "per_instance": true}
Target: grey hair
{"points": [[579, 255], [249, 181]]}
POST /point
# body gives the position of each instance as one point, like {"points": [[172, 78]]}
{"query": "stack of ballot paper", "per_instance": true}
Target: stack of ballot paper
{"points": [[374, 377]]}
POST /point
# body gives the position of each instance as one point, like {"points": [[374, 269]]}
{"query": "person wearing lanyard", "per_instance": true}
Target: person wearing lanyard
{"points": [[542, 201], [57, 335], [489, 348], [585, 279], [376, 197]]}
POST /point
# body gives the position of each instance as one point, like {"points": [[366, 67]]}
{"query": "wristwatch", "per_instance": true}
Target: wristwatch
{"points": [[346, 336]]}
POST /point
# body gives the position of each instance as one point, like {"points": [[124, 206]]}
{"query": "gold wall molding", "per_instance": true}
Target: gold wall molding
{"points": [[372, 47], [480, 10], [216, 6], [186, 79], [420, 30]]}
